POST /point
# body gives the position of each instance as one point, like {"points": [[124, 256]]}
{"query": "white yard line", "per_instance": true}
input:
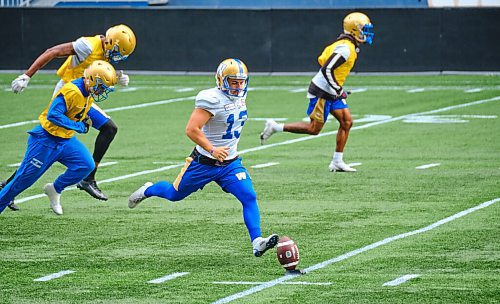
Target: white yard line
{"points": [[264, 165], [350, 254], [401, 280], [473, 90], [168, 277], [416, 90], [184, 90], [105, 164], [54, 276], [427, 166], [259, 283], [287, 142]]}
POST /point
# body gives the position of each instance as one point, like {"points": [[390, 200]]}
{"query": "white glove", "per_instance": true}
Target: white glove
{"points": [[123, 78], [20, 83]]}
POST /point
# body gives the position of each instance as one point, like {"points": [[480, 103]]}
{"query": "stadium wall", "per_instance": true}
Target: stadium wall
{"points": [[268, 40]]}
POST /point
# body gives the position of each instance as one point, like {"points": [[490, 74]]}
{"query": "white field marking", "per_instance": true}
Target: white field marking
{"points": [[369, 118], [264, 165], [298, 90], [349, 254], [434, 119], [142, 105], [473, 90], [416, 90], [129, 89], [16, 124], [14, 165], [354, 164], [259, 283], [358, 90], [428, 166], [168, 277], [264, 118], [107, 164], [470, 116], [184, 90], [54, 276], [401, 280], [287, 142]]}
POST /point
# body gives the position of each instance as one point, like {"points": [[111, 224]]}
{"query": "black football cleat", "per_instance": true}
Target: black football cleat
{"points": [[13, 206], [91, 188]]}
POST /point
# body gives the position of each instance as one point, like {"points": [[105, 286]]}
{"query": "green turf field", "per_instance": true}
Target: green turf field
{"points": [[350, 228]]}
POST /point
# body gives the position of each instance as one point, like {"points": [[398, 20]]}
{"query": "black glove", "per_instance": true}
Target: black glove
{"points": [[88, 123]]}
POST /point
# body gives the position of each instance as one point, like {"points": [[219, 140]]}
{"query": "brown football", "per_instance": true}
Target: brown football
{"points": [[287, 253]]}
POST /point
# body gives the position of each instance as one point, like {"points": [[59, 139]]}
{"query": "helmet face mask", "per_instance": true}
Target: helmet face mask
{"points": [[228, 70], [119, 44], [100, 78], [360, 27]]}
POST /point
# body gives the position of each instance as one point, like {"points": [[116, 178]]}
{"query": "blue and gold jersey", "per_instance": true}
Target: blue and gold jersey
{"points": [[77, 102], [74, 66]]}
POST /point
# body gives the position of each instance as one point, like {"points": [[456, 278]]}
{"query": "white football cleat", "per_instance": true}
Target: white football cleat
{"points": [[138, 196], [269, 129], [54, 197], [261, 245], [340, 167]]}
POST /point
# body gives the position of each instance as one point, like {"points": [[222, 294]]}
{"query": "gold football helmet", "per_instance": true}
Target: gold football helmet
{"points": [[359, 26], [119, 43], [100, 78], [235, 69]]}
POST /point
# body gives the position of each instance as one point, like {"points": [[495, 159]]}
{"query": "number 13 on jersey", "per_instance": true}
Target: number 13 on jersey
{"points": [[230, 123]]}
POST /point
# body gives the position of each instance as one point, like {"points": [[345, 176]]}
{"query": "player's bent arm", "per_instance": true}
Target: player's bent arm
{"points": [[57, 116], [198, 119], [60, 50]]}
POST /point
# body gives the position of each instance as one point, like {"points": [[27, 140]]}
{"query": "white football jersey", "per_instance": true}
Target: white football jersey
{"points": [[224, 127]]}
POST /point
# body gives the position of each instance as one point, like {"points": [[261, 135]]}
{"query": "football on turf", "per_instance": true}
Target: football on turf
{"points": [[288, 253]]}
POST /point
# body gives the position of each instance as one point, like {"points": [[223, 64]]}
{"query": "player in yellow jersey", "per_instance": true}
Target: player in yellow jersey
{"points": [[53, 141], [326, 92], [118, 43]]}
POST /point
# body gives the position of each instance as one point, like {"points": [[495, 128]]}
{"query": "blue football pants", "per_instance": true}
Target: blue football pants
{"points": [[242, 189], [39, 158]]}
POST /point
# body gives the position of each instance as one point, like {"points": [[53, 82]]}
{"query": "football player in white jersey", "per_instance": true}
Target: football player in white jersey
{"points": [[326, 92], [215, 127]]}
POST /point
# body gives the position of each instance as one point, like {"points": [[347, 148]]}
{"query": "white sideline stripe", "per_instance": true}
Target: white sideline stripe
{"points": [[428, 166], [355, 252], [401, 280], [259, 283], [16, 124], [107, 164], [264, 165], [54, 276], [416, 90], [287, 142], [129, 89], [142, 105], [473, 90], [184, 90], [360, 90], [168, 277]]}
